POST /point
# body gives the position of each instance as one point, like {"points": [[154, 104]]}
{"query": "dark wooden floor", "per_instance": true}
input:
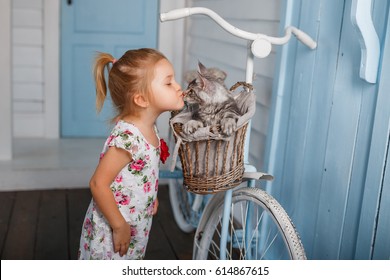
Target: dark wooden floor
{"points": [[46, 225]]}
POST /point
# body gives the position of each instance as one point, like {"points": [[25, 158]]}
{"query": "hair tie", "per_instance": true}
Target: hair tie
{"points": [[113, 61]]}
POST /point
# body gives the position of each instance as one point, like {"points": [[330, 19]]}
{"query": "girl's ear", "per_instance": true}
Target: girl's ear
{"points": [[140, 100]]}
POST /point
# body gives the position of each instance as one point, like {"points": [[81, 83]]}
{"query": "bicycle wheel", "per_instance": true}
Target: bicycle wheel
{"points": [[259, 228], [181, 202]]}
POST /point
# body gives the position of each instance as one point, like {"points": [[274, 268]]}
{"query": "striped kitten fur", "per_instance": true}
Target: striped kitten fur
{"points": [[211, 103]]}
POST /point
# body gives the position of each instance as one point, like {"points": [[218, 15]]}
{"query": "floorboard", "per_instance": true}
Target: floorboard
{"points": [[46, 225], [20, 239], [52, 227], [7, 201]]}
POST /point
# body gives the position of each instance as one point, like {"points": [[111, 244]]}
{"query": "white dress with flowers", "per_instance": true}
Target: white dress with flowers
{"points": [[135, 191]]}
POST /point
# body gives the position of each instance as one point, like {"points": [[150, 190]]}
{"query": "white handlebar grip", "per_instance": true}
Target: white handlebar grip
{"points": [[306, 39], [175, 14]]}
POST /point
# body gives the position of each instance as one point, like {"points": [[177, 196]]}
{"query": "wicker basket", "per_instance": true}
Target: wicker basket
{"points": [[211, 165]]}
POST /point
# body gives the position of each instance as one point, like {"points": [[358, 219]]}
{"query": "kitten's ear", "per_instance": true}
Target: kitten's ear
{"points": [[216, 74], [201, 68], [206, 85], [190, 76]]}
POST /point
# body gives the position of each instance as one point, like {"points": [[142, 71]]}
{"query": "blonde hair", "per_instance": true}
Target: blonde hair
{"points": [[132, 73]]}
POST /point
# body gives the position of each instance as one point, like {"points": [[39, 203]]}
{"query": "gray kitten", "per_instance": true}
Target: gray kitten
{"points": [[211, 103]]}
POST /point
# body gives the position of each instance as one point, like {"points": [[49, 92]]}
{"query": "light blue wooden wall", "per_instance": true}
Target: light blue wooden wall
{"points": [[376, 198], [320, 142]]}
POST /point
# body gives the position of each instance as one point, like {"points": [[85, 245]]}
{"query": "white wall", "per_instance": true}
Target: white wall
{"points": [[5, 81], [27, 68], [171, 38], [214, 47]]}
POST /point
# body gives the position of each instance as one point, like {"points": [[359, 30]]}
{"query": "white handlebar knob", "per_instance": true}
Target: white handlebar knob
{"points": [[306, 39], [261, 47], [175, 14]]}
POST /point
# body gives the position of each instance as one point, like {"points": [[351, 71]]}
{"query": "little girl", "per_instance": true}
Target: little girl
{"points": [[124, 186]]}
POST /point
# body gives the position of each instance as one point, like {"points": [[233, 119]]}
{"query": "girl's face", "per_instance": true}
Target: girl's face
{"points": [[166, 92]]}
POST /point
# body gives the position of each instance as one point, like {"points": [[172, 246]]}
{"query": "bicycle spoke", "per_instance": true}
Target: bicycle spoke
{"points": [[255, 229], [234, 233], [231, 228], [215, 246], [268, 247]]}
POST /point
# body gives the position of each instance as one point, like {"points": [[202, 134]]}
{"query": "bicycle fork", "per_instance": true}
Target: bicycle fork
{"points": [[247, 234], [225, 223]]}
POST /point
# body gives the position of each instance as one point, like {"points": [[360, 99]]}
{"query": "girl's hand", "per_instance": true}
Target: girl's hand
{"points": [[121, 237], [155, 207]]}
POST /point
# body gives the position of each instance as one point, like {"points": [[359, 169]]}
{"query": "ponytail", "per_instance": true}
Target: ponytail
{"points": [[132, 73], [102, 61]]}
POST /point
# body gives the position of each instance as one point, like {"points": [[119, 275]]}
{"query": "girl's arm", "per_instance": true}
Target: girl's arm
{"points": [[108, 168]]}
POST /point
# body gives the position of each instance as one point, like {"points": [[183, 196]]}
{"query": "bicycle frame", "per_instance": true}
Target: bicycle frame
{"points": [[259, 45]]}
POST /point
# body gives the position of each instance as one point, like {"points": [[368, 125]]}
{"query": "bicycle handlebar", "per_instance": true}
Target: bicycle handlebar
{"points": [[185, 12]]}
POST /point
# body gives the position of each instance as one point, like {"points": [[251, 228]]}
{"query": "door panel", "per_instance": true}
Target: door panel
{"points": [[89, 26]]}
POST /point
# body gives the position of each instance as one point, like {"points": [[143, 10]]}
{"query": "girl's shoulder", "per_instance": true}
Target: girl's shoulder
{"points": [[126, 134], [124, 127], [123, 135]]}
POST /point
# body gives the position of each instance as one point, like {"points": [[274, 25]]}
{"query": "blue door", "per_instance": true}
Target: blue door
{"points": [[89, 26]]}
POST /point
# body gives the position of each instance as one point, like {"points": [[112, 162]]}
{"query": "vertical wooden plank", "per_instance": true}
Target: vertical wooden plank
{"points": [[52, 227], [20, 240], [78, 201], [7, 200], [381, 250], [321, 86], [376, 183], [281, 98], [358, 173], [341, 146], [301, 96]]}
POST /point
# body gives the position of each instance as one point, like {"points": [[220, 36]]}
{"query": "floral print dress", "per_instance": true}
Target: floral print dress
{"points": [[135, 191]]}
